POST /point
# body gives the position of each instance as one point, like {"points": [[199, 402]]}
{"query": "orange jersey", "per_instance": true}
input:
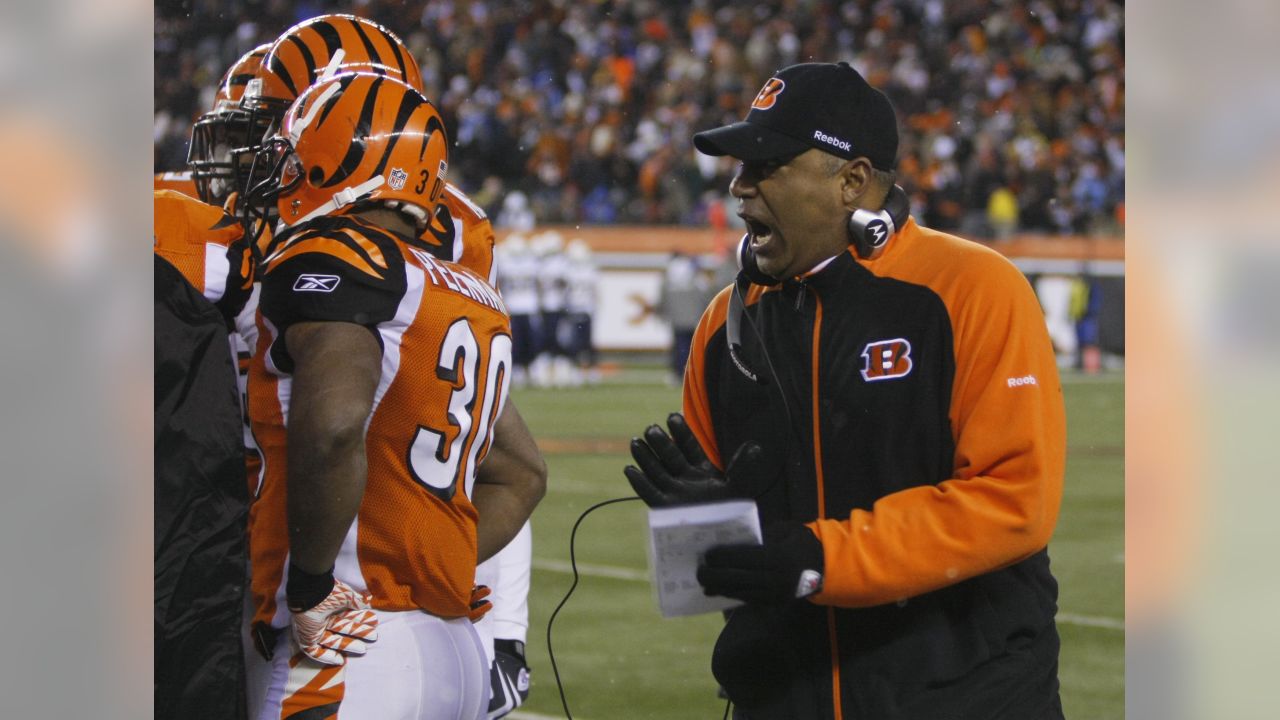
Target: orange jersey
{"points": [[207, 246], [458, 218], [178, 182], [446, 357]]}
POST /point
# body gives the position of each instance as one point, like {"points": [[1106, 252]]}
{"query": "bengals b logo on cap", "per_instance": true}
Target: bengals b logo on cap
{"points": [[768, 94]]}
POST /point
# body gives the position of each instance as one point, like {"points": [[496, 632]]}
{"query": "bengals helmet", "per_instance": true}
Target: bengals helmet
{"points": [[323, 47], [313, 50], [352, 140], [215, 168]]}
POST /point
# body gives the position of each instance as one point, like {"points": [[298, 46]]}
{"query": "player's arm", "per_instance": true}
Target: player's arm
{"points": [[336, 370], [509, 483]]}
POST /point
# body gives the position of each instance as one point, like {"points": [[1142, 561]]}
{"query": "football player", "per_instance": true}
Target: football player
{"points": [[216, 171], [378, 389], [457, 230], [213, 171]]}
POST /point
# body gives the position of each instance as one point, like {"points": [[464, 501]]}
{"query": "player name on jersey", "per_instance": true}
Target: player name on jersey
{"points": [[460, 280]]}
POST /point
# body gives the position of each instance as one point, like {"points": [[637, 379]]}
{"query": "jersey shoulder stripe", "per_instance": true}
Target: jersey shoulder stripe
{"points": [[360, 246], [462, 205]]}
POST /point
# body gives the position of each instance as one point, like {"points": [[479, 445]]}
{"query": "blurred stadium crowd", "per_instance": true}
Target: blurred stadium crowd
{"points": [[1012, 111]]}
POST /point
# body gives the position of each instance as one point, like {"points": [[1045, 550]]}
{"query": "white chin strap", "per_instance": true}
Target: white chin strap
{"points": [[343, 198]]}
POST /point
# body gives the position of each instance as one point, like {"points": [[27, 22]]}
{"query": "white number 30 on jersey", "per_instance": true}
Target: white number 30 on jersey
{"points": [[439, 464]]}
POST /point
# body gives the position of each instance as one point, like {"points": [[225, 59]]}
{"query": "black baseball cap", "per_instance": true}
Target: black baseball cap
{"points": [[828, 106]]}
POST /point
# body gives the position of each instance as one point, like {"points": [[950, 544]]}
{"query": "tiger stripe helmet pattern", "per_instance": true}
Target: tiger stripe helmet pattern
{"points": [[216, 170], [325, 46], [353, 139]]}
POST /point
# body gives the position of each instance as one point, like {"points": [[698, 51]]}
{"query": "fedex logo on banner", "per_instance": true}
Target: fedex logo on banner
{"points": [[886, 359]]}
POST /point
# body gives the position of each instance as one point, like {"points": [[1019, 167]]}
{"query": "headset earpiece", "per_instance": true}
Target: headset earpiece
{"points": [[747, 263], [870, 230]]}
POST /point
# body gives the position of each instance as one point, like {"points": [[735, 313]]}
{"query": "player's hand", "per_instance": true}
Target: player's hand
{"points": [[788, 566], [673, 469], [479, 605], [339, 624], [508, 678]]}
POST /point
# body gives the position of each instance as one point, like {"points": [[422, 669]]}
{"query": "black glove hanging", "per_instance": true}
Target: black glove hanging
{"points": [[675, 471]]}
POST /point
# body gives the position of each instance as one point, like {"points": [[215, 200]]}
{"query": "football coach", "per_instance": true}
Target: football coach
{"points": [[888, 395]]}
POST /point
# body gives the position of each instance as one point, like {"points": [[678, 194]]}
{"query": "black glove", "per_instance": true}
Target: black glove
{"points": [[788, 566], [675, 471], [508, 678]]}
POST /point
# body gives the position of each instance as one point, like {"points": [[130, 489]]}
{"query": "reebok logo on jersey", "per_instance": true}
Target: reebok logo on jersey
{"points": [[308, 282], [886, 359], [833, 141], [1020, 381]]}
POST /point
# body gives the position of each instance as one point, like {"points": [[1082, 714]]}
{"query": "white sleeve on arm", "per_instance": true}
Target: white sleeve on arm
{"points": [[511, 593], [507, 576]]}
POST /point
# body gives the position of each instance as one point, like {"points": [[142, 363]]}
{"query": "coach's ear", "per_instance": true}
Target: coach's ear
{"points": [[856, 181]]}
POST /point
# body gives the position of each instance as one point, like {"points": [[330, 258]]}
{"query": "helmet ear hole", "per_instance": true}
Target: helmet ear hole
{"points": [[315, 176]]}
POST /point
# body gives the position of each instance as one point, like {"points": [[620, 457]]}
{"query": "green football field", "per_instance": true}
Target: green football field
{"points": [[619, 658]]}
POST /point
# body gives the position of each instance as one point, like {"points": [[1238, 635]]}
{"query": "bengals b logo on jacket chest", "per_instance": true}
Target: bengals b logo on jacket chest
{"points": [[886, 359]]}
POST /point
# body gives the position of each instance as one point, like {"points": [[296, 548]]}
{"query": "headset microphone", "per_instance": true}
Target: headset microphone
{"points": [[733, 326]]}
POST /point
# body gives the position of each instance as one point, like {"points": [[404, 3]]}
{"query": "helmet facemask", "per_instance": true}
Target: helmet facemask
{"points": [[223, 145], [275, 170]]}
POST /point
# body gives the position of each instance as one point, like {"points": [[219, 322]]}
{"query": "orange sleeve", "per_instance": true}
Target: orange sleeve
{"points": [[183, 228], [1009, 426], [697, 409], [477, 233]]}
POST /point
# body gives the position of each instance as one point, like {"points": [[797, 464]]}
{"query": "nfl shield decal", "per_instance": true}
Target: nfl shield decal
{"points": [[397, 178]]}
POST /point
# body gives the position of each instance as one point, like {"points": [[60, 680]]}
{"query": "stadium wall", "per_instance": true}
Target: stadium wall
{"points": [[632, 260]]}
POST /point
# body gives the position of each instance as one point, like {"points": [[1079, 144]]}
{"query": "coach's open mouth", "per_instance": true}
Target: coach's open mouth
{"points": [[761, 233]]}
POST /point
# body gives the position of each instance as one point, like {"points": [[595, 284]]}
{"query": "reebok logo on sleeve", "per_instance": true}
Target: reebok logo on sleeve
{"points": [[309, 282]]}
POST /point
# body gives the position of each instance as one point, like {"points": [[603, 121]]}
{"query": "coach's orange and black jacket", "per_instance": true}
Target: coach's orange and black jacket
{"points": [[917, 426]]}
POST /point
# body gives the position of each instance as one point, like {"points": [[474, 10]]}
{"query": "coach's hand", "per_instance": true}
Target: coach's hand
{"points": [[788, 566], [675, 471], [329, 624]]}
